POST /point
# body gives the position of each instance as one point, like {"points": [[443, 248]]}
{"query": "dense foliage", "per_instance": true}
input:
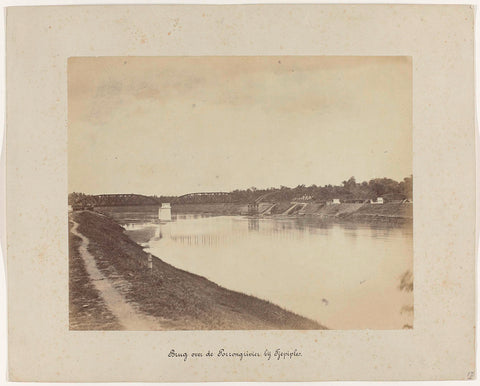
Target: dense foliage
{"points": [[387, 188]]}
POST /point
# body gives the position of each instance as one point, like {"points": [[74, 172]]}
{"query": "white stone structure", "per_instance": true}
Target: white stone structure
{"points": [[165, 212]]}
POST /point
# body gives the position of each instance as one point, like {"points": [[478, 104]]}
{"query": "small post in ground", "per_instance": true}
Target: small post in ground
{"points": [[150, 262]]}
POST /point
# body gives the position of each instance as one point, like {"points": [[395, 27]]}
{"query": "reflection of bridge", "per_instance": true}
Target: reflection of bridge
{"points": [[123, 199]]}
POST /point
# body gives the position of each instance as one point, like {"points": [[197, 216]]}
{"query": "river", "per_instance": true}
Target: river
{"points": [[344, 275]]}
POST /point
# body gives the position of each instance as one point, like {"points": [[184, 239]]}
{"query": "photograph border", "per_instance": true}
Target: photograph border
{"points": [[442, 344]]}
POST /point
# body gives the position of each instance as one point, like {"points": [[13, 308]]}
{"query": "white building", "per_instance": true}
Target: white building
{"points": [[379, 201]]}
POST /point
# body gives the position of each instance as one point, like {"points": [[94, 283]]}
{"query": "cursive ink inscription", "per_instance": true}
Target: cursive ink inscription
{"points": [[222, 353]]}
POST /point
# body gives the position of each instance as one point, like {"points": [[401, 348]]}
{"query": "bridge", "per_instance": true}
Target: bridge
{"points": [[204, 194], [190, 198], [123, 200], [203, 197], [222, 197]]}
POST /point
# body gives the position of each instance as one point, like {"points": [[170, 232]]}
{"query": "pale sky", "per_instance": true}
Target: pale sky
{"points": [[175, 125]]}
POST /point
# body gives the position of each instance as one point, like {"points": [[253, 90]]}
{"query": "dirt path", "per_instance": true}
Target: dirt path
{"points": [[128, 316]]}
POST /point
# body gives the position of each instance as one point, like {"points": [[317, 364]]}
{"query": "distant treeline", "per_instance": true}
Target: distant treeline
{"points": [[349, 190]]}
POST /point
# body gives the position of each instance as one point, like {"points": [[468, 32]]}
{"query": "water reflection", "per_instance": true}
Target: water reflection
{"points": [[346, 276], [253, 224]]}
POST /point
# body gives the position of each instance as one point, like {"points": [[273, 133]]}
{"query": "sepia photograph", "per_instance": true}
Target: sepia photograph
{"points": [[240, 193]]}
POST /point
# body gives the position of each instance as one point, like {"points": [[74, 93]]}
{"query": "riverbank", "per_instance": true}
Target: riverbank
{"points": [[389, 212], [394, 212], [177, 299]]}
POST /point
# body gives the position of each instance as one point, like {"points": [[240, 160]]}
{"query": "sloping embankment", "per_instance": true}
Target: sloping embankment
{"points": [[183, 301], [384, 212], [346, 211], [389, 212]]}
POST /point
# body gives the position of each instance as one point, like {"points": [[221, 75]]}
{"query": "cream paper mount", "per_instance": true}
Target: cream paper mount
{"points": [[435, 41]]}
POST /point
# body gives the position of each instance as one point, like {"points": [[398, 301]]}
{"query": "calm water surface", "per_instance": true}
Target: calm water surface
{"points": [[343, 276]]}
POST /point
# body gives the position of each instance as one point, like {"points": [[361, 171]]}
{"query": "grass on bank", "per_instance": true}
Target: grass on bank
{"points": [[182, 300]]}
